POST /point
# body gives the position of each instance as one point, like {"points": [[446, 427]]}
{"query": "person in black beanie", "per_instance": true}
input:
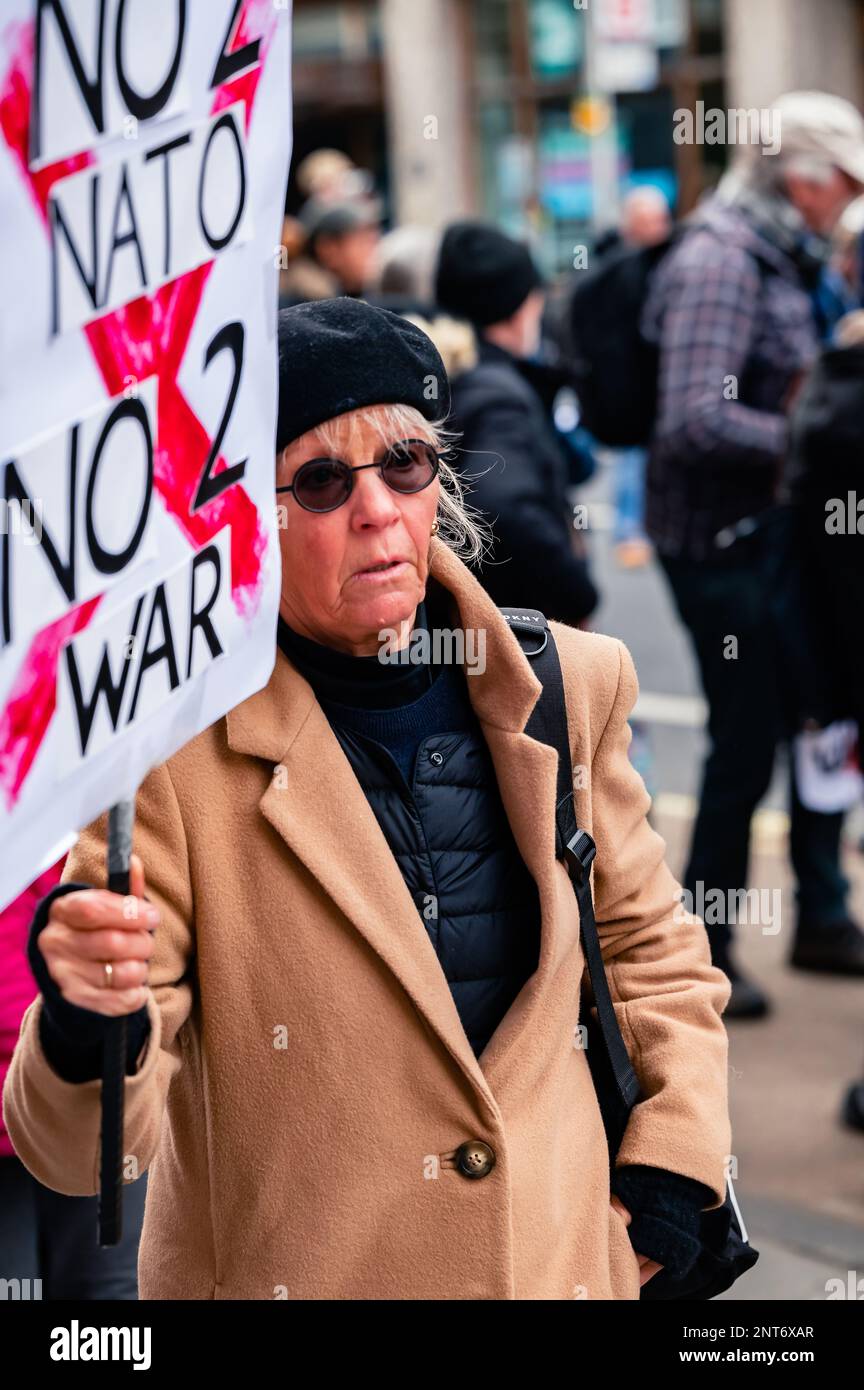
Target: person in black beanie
{"points": [[362, 854], [513, 461]]}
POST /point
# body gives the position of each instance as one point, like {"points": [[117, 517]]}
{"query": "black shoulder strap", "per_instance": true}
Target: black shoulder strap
{"points": [[548, 724]]}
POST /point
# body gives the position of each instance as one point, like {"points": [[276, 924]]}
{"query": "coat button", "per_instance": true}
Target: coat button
{"points": [[475, 1159], [436, 758]]}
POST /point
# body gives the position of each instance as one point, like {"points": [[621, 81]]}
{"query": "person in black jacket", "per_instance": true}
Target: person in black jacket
{"points": [[512, 460], [826, 480], [826, 486]]}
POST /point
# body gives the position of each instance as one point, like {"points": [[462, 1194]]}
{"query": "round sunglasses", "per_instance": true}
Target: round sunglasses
{"points": [[323, 484]]}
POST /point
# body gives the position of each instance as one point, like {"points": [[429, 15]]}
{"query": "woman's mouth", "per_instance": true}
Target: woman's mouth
{"points": [[384, 570]]}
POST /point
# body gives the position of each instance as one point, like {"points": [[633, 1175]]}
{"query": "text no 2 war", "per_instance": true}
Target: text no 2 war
{"points": [[120, 669]]}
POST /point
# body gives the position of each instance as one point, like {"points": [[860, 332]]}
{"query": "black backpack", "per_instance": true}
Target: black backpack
{"points": [[614, 366], [726, 1253]]}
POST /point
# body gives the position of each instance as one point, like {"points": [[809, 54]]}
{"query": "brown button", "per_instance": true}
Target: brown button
{"points": [[475, 1159]]}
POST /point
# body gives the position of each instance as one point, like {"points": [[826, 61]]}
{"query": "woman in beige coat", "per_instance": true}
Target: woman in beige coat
{"points": [[316, 1119]]}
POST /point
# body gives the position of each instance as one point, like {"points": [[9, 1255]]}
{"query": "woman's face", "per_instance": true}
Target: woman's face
{"points": [[327, 593]]}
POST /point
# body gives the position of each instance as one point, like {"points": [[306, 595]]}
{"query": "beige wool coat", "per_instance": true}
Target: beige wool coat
{"points": [[307, 1080]]}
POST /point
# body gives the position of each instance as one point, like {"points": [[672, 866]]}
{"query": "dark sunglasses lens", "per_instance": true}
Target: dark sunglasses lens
{"points": [[411, 466], [322, 485]]}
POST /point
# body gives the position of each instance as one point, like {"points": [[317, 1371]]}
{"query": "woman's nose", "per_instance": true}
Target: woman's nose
{"points": [[373, 501]]}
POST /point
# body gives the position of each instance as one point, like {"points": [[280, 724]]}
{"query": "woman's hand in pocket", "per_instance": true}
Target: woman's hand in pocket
{"points": [[647, 1267]]}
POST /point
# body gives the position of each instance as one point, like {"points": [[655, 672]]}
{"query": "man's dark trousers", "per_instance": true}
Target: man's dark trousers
{"points": [[728, 604]]}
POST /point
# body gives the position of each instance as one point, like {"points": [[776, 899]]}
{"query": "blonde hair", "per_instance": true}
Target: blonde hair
{"points": [[455, 340], [850, 330], [462, 527]]}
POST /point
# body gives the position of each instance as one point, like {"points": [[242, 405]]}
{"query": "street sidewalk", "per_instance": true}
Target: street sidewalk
{"points": [[800, 1173]]}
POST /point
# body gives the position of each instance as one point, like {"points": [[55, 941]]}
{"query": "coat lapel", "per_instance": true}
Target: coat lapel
{"points": [[318, 807]]}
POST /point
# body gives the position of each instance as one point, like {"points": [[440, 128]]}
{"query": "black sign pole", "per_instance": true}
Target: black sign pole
{"points": [[120, 820]]}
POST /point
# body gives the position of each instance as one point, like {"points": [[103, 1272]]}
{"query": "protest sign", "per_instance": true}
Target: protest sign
{"points": [[144, 150]]}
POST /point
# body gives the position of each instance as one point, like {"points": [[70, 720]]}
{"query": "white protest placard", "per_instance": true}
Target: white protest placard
{"points": [[144, 151]]}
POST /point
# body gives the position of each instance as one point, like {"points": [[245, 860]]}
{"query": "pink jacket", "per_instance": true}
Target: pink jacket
{"points": [[17, 986]]}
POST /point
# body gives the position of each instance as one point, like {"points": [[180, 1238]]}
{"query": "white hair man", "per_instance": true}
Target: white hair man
{"points": [[732, 312]]}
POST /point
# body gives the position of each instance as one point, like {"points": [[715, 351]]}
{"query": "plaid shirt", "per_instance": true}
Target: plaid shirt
{"points": [[735, 327]]}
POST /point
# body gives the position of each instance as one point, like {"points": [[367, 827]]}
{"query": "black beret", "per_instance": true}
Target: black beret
{"points": [[483, 275], [337, 355]]}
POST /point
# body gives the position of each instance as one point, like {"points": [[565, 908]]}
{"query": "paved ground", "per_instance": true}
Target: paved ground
{"points": [[800, 1177]]}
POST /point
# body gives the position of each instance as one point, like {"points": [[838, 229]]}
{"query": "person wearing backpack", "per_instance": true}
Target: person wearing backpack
{"points": [[516, 466], [731, 315]]}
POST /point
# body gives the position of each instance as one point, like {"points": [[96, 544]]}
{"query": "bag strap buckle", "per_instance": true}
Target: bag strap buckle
{"points": [[579, 852], [527, 623]]}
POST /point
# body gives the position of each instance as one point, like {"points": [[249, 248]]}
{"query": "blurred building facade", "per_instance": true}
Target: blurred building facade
{"points": [[541, 113]]}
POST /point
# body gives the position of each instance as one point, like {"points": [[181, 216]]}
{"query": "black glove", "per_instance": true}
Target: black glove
{"points": [[666, 1209]]}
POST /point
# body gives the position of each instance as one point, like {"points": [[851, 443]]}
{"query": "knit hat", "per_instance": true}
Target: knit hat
{"points": [[337, 217], [337, 355], [825, 127], [483, 275]]}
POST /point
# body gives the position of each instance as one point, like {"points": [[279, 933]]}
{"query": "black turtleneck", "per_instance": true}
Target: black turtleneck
{"points": [[361, 681]]}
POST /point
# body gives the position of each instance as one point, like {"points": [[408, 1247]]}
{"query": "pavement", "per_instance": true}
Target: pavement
{"points": [[798, 1173]]}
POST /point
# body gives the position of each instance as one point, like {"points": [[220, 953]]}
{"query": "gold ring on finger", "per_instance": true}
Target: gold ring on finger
{"points": [[109, 974]]}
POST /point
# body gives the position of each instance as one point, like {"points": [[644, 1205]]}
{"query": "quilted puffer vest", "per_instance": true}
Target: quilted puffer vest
{"points": [[451, 838]]}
